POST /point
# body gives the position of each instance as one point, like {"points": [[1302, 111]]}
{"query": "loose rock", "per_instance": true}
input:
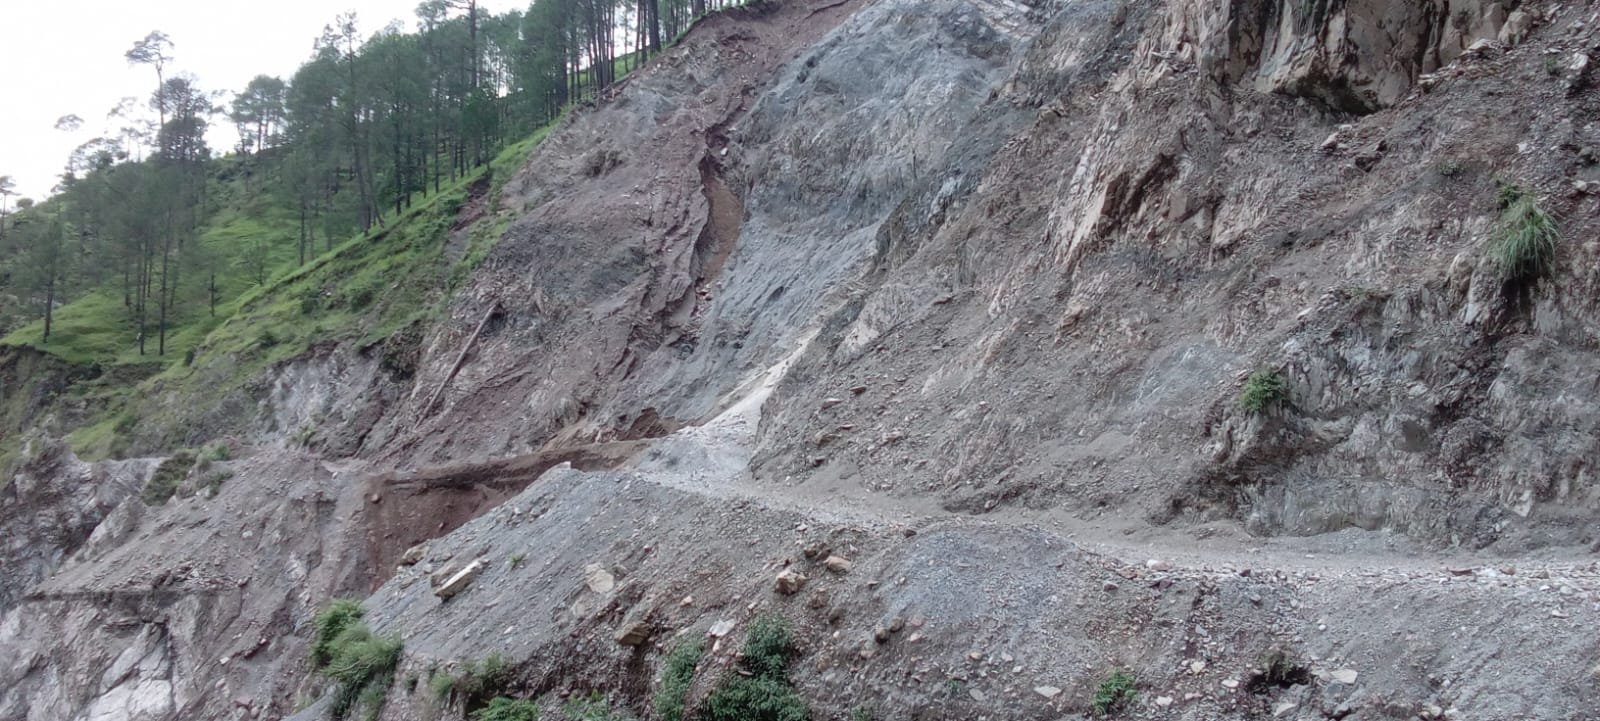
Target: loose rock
{"points": [[790, 582], [459, 582]]}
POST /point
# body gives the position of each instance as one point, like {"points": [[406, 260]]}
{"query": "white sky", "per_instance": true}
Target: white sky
{"points": [[66, 56]]}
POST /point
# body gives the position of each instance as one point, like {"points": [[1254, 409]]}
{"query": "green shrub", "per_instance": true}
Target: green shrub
{"points": [[214, 453], [212, 483], [508, 709], [517, 559], [331, 622], [593, 708], [863, 713], [766, 694], [677, 678], [768, 647], [1115, 693], [168, 476], [362, 296], [742, 698], [1526, 245], [1264, 389]]}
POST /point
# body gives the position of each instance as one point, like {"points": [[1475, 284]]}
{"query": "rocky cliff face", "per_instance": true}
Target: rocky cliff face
{"points": [[964, 293]]}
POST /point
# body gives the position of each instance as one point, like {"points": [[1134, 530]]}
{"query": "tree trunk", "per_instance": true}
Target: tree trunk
{"points": [[49, 305]]}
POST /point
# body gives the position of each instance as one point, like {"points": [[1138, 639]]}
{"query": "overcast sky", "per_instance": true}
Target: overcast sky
{"points": [[66, 56]]}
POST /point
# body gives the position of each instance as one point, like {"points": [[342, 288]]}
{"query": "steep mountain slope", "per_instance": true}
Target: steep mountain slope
{"points": [[965, 293]]}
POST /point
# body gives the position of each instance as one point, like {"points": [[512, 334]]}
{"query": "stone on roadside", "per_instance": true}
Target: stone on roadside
{"points": [[1047, 691], [838, 564], [413, 555]]}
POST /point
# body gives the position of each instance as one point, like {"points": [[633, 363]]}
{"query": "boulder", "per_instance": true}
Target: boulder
{"points": [[635, 634], [790, 582]]}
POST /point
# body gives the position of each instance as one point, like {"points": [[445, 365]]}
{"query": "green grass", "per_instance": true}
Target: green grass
{"points": [[1264, 389], [593, 708], [477, 683], [676, 679], [508, 709], [1526, 242], [442, 684], [362, 664], [1116, 693]]}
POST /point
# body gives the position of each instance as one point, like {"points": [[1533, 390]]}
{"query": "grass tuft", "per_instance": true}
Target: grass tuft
{"points": [[1527, 237], [363, 664]]}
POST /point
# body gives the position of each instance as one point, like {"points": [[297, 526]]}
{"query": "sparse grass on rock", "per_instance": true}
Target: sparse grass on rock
{"points": [[363, 664]]}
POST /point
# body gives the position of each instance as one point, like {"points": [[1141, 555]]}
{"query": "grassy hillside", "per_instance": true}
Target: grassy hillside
{"points": [[365, 290]]}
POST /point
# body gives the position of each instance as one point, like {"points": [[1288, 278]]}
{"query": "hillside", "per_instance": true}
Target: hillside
{"points": [[885, 359]]}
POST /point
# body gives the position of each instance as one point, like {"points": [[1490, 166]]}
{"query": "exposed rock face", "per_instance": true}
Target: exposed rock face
{"points": [[1354, 56], [964, 291]]}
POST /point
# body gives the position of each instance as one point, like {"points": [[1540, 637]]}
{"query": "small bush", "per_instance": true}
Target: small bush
{"points": [[1527, 237], [361, 297], [168, 476], [863, 713], [1115, 693], [212, 483], [214, 453], [766, 694], [677, 678], [507, 709], [593, 708], [742, 698], [769, 647], [517, 559], [1264, 389]]}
